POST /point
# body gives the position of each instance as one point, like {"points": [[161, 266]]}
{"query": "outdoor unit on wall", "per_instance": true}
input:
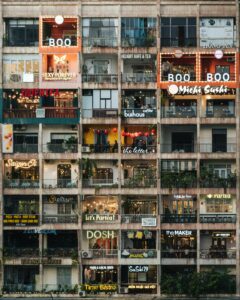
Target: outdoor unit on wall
{"points": [[86, 149], [123, 290], [87, 254], [82, 293]]}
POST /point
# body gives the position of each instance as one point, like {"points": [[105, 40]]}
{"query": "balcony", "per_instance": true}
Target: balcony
{"points": [[99, 113], [179, 111], [148, 41], [136, 182], [20, 183], [138, 78], [60, 148], [47, 115], [100, 42], [21, 252], [220, 254], [147, 149], [182, 253], [25, 148], [216, 182], [185, 179], [138, 253], [60, 252], [99, 218], [137, 218], [99, 148], [178, 148], [20, 288], [100, 78], [60, 183], [16, 78], [178, 218], [59, 219], [100, 253], [94, 183], [217, 111], [218, 218], [219, 148]]}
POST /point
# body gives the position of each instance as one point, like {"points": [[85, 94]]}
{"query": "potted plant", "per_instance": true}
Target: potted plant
{"points": [[70, 143]]}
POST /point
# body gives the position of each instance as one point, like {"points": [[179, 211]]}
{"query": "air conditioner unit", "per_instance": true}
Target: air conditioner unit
{"points": [[86, 149], [87, 254], [74, 127], [82, 293], [123, 290], [230, 59]]}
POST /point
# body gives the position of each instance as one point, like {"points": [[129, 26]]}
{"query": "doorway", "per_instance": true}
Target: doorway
{"points": [[219, 140], [183, 141]]}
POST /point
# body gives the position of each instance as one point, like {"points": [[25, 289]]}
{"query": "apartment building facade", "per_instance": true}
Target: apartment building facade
{"points": [[119, 144]]}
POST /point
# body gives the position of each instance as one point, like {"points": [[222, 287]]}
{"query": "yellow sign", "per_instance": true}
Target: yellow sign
{"points": [[219, 196], [21, 164], [7, 138], [100, 287], [20, 220]]}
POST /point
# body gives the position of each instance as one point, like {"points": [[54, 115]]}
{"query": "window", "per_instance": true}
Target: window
{"points": [[138, 32], [100, 32], [178, 32], [64, 276], [219, 205], [103, 175], [21, 32]]}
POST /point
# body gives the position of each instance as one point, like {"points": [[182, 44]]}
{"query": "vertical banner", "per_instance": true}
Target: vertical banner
{"points": [[7, 138]]}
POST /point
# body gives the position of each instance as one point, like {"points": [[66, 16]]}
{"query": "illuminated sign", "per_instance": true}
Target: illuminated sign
{"points": [[182, 196], [101, 267], [210, 77], [138, 269], [7, 138], [105, 234], [45, 261], [139, 113], [149, 222], [197, 90], [179, 232], [219, 196], [222, 234], [60, 42], [100, 287], [40, 231], [129, 150], [20, 220], [142, 287], [148, 254], [58, 76], [60, 199], [91, 217], [21, 164], [136, 56], [39, 92]]}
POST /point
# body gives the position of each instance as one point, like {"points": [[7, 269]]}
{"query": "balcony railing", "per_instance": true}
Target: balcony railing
{"points": [[147, 149], [175, 42], [210, 148], [136, 182], [60, 148], [183, 253], [25, 148], [99, 113], [178, 148], [18, 77], [99, 148], [219, 111], [92, 182], [99, 218], [60, 252], [139, 77], [221, 254], [179, 111], [19, 288], [100, 42], [100, 253], [139, 253], [135, 218], [60, 183], [61, 219], [21, 252], [179, 218], [232, 76], [178, 180], [148, 41], [218, 218], [139, 113], [100, 78], [218, 182], [21, 183]]}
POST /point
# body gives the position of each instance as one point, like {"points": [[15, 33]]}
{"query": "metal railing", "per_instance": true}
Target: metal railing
{"points": [[59, 183], [100, 148], [60, 252], [218, 218], [219, 111], [178, 148], [179, 111], [217, 182], [21, 183], [100, 253], [178, 218], [139, 77], [139, 112], [221, 253], [125, 218], [178, 180], [21, 252], [99, 218], [175, 42], [19, 288], [100, 78], [139, 253], [182, 253], [148, 41], [99, 113], [62, 219], [136, 182], [25, 148], [92, 182], [60, 148], [210, 148], [100, 42], [147, 149]]}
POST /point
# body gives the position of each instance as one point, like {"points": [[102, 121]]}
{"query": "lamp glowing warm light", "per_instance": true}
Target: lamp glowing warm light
{"points": [[59, 20]]}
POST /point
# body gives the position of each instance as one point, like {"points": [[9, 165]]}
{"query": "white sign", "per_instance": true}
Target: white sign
{"points": [[138, 269], [179, 232], [28, 77], [137, 150], [136, 56], [59, 42], [197, 90], [138, 113], [40, 113], [101, 267], [216, 77], [218, 54], [182, 196], [149, 222], [97, 234]]}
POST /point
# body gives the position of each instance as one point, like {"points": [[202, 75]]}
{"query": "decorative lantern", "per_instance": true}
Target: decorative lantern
{"points": [[115, 130]]}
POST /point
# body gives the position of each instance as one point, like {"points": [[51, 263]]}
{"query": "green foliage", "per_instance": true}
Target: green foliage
{"points": [[88, 167]]}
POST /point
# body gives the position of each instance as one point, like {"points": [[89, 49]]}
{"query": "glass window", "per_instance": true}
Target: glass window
{"points": [[219, 206]]}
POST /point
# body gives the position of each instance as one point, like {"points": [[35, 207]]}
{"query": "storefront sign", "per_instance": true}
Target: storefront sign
{"points": [[105, 234], [59, 42], [20, 220], [138, 269], [58, 76], [139, 113], [39, 92], [101, 267], [37, 261], [142, 287], [136, 56], [149, 222], [216, 77], [40, 113], [60, 199], [40, 231], [7, 138], [219, 196], [182, 196], [100, 287], [222, 234], [197, 90], [137, 150], [179, 232], [21, 164], [91, 217]]}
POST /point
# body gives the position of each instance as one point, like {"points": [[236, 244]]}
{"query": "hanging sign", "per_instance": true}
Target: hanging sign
{"points": [[7, 138]]}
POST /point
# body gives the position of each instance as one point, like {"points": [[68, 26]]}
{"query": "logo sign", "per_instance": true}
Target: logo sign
{"points": [[37, 261], [40, 113], [140, 113], [20, 220], [21, 164], [138, 269], [149, 222], [7, 138], [105, 234], [136, 56], [59, 42], [216, 77], [182, 196], [60, 199], [222, 234], [93, 217], [219, 196], [196, 90], [101, 267], [218, 54], [142, 286], [39, 92], [40, 231], [129, 150], [58, 76], [179, 232], [100, 287]]}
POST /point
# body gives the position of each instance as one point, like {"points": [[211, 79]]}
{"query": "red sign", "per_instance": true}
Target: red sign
{"points": [[39, 92]]}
